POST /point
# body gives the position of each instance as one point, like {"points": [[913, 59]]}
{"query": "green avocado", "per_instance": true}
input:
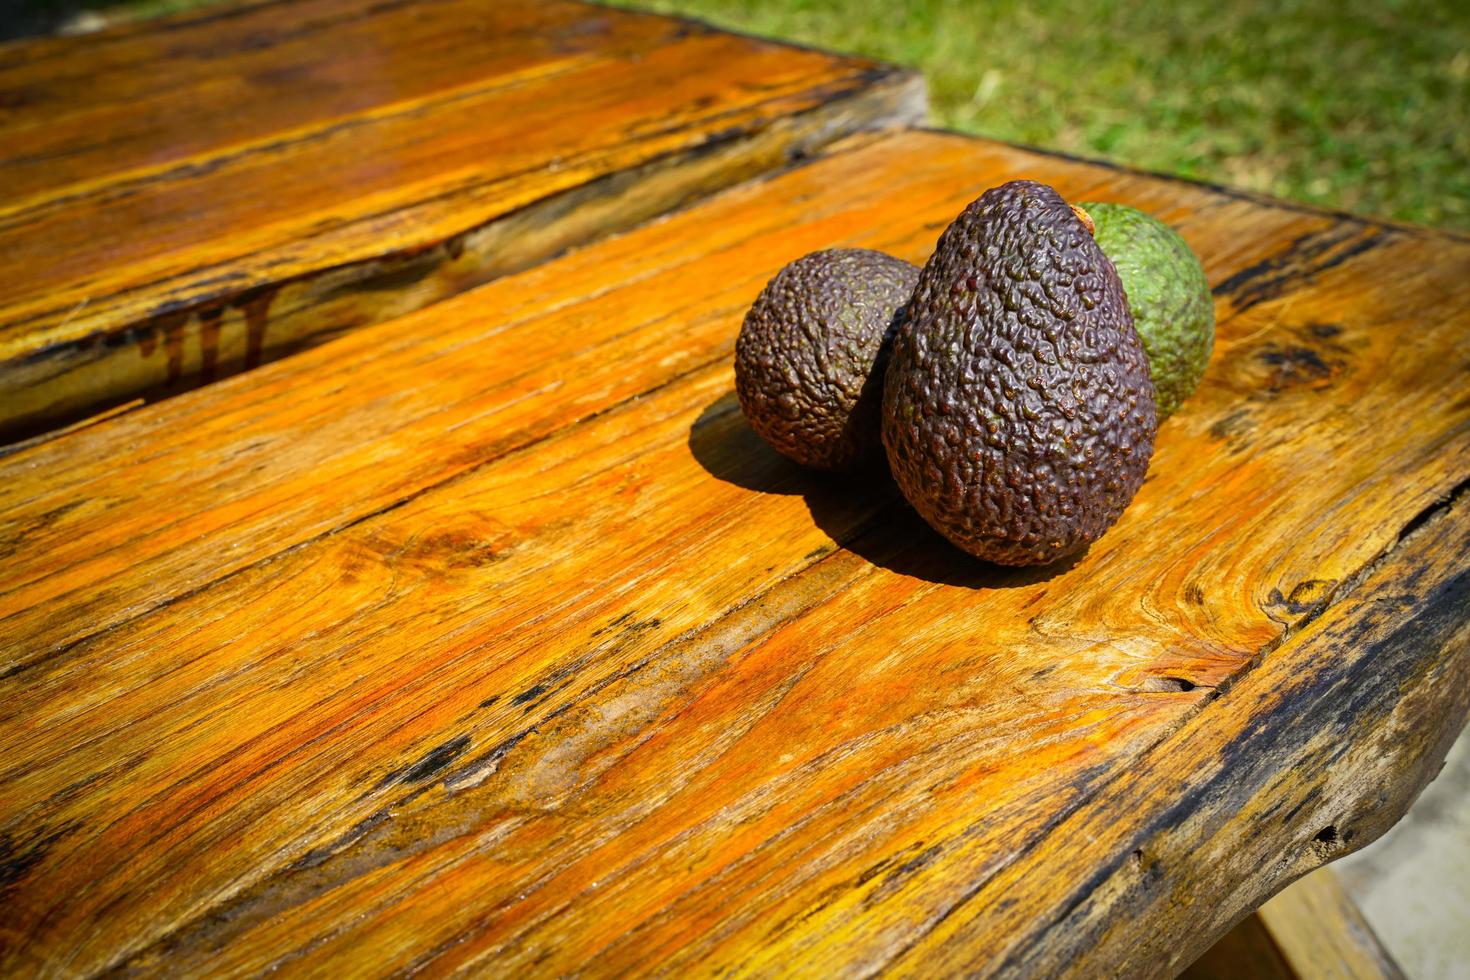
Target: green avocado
{"points": [[1018, 412], [811, 353], [1167, 293]]}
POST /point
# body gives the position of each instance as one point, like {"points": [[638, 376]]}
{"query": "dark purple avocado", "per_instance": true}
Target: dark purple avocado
{"points": [[810, 358], [1018, 411]]}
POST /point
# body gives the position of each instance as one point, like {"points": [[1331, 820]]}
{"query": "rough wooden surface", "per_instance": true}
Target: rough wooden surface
{"points": [[182, 199], [492, 638]]}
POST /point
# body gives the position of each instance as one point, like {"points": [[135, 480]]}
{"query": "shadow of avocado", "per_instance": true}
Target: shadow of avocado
{"points": [[863, 512]]}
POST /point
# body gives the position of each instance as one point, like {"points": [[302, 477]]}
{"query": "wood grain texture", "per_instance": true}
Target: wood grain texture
{"points": [[491, 639], [181, 201]]}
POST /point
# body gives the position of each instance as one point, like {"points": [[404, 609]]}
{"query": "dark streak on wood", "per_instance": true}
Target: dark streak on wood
{"points": [[209, 333], [19, 855], [1304, 257], [529, 694], [256, 306], [437, 759], [171, 325]]}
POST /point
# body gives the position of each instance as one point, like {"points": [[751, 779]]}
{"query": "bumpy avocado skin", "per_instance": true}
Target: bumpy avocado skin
{"points": [[1018, 412], [1167, 294], [810, 358]]}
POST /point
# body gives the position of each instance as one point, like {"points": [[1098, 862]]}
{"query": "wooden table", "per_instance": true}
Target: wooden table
{"points": [[489, 637], [180, 201]]}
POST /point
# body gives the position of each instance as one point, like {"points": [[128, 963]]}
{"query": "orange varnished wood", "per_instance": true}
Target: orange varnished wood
{"points": [[180, 201], [491, 638]]}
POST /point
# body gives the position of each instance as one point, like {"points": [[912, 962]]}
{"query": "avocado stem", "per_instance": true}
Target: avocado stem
{"points": [[1085, 218]]}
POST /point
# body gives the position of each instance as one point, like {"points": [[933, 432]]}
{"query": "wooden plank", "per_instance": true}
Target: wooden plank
{"points": [[187, 199], [542, 662], [1322, 934], [246, 464], [1311, 930], [1245, 951], [1312, 754]]}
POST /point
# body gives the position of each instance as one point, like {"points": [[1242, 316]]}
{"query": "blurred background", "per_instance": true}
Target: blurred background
{"points": [[1362, 107]]}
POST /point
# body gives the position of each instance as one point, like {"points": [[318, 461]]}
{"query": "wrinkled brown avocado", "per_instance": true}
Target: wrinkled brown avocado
{"points": [[1018, 411], [810, 358]]}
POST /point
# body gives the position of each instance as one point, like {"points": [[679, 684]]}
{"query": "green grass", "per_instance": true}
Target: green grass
{"points": [[1364, 107]]}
